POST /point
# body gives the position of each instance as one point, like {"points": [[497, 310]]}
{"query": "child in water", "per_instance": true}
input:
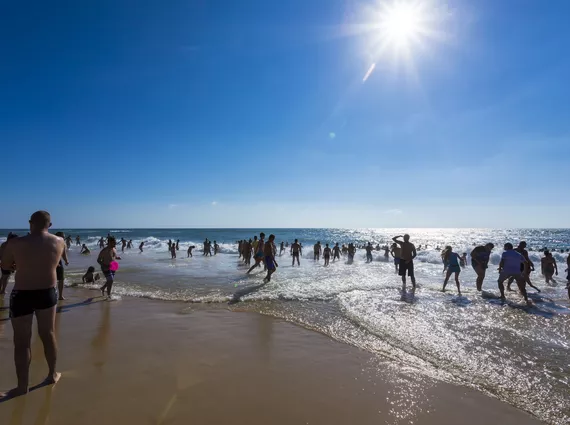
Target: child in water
{"points": [[88, 277], [85, 250]]}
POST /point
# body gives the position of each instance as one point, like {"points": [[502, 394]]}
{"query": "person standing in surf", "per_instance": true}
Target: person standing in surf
{"points": [[37, 256], [317, 251], [407, 255], [549, 267], [259, 253], [281, 248], [106, 257], [173, 252], [452, 259], [396, 253], [480, 262], [295, 252], [369, 248], [269, 252], [327, 254], [141, 247], [336, 252], [512, 262]]}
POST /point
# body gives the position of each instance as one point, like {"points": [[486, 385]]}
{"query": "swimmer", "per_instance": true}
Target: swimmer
{"points": [[169, 245], [37, 256], [351, 250], [317, 251], [344, 250], [369, 252], [85, 250], [407, 255], [396, 253], [386, 253], [101, 242], [177, 244], [247, 252], [130, 244], [173, 252], [68, 241], [270, 262], [549, 267], [216, 248], [480, 262], [189, 252], [336, 252], [260, 252], [281, 248], [123, 244], [512, 262], [89, 277], [452, 260], [141, 247], [77, 241], [295, 252], [106, 257], [327, 254]]}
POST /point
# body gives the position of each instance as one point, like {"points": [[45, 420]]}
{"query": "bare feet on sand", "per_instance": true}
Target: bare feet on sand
{"points": [[52, 379]]}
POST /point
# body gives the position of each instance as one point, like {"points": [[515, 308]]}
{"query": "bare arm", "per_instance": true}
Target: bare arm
{"points": [[64, 256], [7, 259], [100, 257], [395, 238], [474, 257], [414, 252], [501, 264]]}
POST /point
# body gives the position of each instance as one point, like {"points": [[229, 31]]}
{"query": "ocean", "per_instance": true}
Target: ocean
{"points": [[506, 350]]}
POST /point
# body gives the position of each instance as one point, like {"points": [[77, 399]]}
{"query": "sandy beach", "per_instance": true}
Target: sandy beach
{"points": [[153, 362]]}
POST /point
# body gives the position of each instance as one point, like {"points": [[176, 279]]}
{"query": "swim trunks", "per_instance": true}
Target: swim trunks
{"points": [[109, 274], [269, 263], [396, 261], [406, 267], [26, 302], [454, 269]]}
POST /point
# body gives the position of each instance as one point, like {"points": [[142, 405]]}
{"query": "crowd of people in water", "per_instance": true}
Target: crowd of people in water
{"points": [[38, 259]]}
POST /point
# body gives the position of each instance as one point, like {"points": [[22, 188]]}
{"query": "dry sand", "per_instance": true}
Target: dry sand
{"points": [[136, 361]]}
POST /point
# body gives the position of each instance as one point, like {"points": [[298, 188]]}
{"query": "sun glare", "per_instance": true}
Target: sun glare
{"points": [[401, 23]]}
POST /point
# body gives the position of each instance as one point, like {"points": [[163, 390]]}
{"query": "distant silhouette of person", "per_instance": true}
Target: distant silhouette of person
{"points": [[548, 267], [369, 252], [453, 267], [190, 248], [178, 245], [77, 241], [85, 250], [317, 251], [296, 252], [480, 262], [336, 252], [396, 253], [141, 247], [327, 254], [407, 255]]}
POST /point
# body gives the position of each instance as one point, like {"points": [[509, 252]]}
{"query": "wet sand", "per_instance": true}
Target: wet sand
{"points": [[137, 361]]}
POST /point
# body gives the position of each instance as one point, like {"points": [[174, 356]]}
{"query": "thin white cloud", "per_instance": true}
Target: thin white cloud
{"points": [[172, 206], [214, 203], [394, 211]]}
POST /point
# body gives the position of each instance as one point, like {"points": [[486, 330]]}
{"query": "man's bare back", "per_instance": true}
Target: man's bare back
{"points": [[37, 256], [408, 250], [106, 256]]}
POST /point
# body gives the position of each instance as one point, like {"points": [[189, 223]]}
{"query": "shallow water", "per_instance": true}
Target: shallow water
{"points": [[515, 353]]}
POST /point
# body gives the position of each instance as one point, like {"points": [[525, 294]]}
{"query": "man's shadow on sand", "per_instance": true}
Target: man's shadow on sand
{"points": [[60, 309]]}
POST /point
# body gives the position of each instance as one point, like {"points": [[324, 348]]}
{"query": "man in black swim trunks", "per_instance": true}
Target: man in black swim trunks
{"points": [[407, 255], [37, 256], [479, 261]]}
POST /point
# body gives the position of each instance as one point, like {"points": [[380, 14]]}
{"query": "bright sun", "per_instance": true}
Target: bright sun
{"points": [[399, 30]]}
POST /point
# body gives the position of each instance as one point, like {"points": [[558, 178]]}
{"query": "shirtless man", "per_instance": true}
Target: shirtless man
{"points": [[317, 251], [260, 252], [130, 244], [101, 243], [369, 252], [123, 244], [396, 254], [281, 248], [528, 266], [173, 251], [295, 252], [37, 256], [548, 267], [85, 250], [141, 247], [327, 254], [7, 269], [77, 240], [480, 261], [269, 252], [216, 248], [189, 252], [336, 252], [407, 255], [106, 256]]}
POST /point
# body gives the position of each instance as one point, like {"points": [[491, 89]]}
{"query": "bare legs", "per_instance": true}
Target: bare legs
{"points": [[22, 348], [4, 283], [108, 286], [449, 272], [480, 277], [60, 289]]}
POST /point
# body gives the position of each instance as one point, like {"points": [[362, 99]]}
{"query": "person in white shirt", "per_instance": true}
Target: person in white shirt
{"points": [[512, 265]]}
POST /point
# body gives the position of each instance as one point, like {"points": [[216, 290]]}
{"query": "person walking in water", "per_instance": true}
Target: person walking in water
{"points": [[512, 262], [77, 241], [123, 244], [177, 244], [106, 257], [102, 242], [130, 244], [189, 252], [407, 255], [369, 249], [336, 252], [528, 266], [480, 262], [452, 260], [281, 248], [37, 256], [270, 262], [141, 247], [548, 267], [216, 248], [396, 253], [317, 251], [173, 252], [295, 252], [260, 252], [327, 254]]}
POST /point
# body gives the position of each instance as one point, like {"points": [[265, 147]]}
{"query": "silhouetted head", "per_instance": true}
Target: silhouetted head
{"points": [[262, 235], [490, 246], [271, 238], [327, 245], [112, 242], [406, 238], [40, 221], [508, 246], [91, 269], [522, 244], [296, 240]]}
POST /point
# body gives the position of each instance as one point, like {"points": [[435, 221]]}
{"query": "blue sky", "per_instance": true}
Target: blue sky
{"points": [[255, 113]]}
